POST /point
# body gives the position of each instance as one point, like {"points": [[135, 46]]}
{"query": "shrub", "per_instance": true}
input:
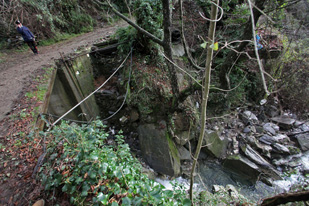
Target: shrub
{"points": [[94, 168]]}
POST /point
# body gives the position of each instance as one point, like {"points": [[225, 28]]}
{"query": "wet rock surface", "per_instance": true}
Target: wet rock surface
{"points": [[270, 147]]}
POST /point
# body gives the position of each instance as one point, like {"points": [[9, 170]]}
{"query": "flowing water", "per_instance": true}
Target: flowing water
{"points": [[210, 174]]}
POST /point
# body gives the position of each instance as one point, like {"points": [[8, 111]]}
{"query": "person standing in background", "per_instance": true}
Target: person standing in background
{"points": [[27, 36]]}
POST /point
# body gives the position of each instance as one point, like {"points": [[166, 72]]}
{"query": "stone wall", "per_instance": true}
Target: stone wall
{"points": [[74, 82]]}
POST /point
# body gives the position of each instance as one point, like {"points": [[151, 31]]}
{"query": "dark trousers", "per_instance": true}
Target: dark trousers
{"points": [[32, 46]]}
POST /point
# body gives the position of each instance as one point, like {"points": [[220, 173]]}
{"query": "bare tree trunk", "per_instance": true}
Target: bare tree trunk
{"points": [[167, 46], [211, 36]]}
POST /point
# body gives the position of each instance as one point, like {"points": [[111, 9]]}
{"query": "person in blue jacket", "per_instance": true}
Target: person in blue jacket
{"points": [[27, 36]]}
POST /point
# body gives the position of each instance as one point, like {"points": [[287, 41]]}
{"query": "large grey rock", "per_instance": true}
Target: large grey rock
{"points": [[284, 122], [158, 149], [232, 191], [242, 166], [303, 141], [218, 189], [255, 156], [214, 144], [266, 139], [282, 138], [265, 166], [248, 117], [266, 149], [184, 154], [249, 129], [304, 127], [279, 148], [271, 128], [271, 111]]}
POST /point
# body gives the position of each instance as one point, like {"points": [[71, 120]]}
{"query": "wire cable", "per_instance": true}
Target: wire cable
{"points": [[53, 124], [128, 87]]}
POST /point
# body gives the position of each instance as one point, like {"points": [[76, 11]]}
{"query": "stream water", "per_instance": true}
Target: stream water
{"points": [[210, 174]]}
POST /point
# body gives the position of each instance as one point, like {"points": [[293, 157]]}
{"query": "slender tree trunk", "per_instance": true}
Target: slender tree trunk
{"points": [[167, 46], [211, 37], [232, 55]]}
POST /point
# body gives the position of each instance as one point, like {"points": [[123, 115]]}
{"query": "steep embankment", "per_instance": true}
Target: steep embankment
{"points": [[16, 74], [19, 66]]}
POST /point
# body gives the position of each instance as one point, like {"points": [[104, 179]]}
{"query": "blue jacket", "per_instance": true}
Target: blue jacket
{"points": [[26, 33]]}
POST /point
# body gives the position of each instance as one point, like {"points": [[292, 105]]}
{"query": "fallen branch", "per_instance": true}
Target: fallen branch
{"points": [[285, 198]]}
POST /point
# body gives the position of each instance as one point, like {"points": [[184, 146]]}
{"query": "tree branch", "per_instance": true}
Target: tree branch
{"points": [[209, 58], [256, 50], [138, 28]]}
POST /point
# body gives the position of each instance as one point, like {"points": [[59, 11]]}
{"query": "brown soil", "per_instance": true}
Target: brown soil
{"points": [[16, 78]]}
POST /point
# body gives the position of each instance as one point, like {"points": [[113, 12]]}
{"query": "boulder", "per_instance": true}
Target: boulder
{"points": [[284, 122], [214, 144], [303, 141], [271, 111], [282, 138], [218, 189], [255, 156], [271, 128], [298, 123], [279, 148], [242, 166], [249, 118], [184, 154], [266, 167], [266, 139], [255, 144], [232, 191], [158, 149], [249, 129], [304, 127], [259, 129]]}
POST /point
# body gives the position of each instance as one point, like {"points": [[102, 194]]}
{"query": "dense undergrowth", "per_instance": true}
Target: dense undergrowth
{"points": [[96, 168], [93, 167]]}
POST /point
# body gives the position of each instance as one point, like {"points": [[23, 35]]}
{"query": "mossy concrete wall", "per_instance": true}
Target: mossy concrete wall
{"points": [[74, 82], [158, 149]]}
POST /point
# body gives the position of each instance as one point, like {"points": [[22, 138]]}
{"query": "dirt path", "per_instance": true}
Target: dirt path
{"points": [[18, 66], [16, 73]]}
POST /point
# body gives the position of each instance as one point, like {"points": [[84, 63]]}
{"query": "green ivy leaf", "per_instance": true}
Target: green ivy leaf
{"points": [[126, 201], [137, 201], [65, 188], [84, 193], [186, 202], [169, 193], [102, 198]]}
